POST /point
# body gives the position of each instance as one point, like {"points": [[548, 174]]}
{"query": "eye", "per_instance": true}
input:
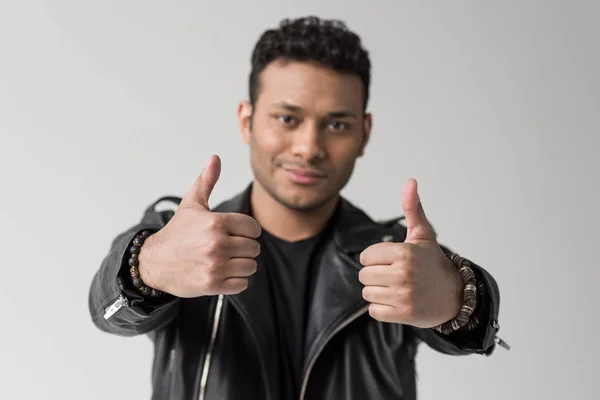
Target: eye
{"points": [[338, 126], [286, 119]]}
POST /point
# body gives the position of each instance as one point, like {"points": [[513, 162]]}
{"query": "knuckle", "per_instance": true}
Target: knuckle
{"points": [[240, 285], [403, 272], [216, 222], [254, 227], [206, 281], [406, 254], [213, 267], [408, 296], [408, 273], [215, 246], [399, 277], [247, 266], [408, 311]]}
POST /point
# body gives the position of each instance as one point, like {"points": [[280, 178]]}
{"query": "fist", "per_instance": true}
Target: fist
{"points": [[411, 283], [200, 252]]}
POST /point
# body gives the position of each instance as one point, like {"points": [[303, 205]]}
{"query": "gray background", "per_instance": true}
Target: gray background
{"points": [[492, 106]]}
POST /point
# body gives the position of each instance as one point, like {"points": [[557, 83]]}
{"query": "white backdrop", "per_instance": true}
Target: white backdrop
{"points": [[492, 106]]}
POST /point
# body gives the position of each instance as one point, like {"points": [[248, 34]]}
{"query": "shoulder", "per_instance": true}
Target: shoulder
{"points": [[355, 230], [395, 228]]}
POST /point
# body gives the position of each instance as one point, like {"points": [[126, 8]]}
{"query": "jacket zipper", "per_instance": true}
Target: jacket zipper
{"points": [[209, 351], [115, 306], [121, 302], [497, 339], [172, 356], [341, 326], [170, 369]]}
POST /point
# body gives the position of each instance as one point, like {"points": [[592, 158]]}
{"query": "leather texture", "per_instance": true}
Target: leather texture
{"points": [[348, 354]]}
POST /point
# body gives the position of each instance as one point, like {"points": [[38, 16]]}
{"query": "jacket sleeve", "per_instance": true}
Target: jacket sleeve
{"points": [[115, 306]]}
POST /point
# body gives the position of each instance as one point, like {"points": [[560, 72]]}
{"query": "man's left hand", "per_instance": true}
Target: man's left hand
{"points": [[413, 282]]}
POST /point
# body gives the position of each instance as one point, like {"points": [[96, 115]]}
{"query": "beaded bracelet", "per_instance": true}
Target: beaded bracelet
{"points": [[465, 318], [134, 262]]}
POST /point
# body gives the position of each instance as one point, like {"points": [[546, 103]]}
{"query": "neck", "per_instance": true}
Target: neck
{"points": [[284, 222]]}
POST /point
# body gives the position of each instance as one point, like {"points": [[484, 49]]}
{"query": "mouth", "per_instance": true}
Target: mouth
{"points": [[303, 176]]}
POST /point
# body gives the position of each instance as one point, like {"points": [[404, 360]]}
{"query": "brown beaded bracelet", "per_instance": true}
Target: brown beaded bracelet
{"points": [[134, 252], [465, 318]]}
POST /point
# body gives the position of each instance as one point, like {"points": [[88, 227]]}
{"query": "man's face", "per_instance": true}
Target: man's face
{"points": [[305, 132]]}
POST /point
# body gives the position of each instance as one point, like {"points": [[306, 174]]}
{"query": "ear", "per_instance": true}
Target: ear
{"points": [[368, 124], [245, 120]]}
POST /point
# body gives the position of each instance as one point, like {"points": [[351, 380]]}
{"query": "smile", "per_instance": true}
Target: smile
{"points": [[302, 176]]}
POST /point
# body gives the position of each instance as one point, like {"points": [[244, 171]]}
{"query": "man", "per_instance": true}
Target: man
{"points": [[287, 290]]}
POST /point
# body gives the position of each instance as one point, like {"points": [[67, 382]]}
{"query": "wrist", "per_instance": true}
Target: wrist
{"points": [[145, 287], [457, 290], [464, 318], [146, 263]]}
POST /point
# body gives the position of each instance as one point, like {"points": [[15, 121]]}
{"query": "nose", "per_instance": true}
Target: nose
{"points": [[308, 143]]}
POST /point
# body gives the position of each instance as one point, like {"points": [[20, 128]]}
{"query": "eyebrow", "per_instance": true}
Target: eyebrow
{"points": [[334, 114]]}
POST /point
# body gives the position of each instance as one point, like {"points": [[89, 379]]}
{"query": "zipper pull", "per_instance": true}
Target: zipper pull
{"points": [[501, 343], [112, 309], [498, 339]]}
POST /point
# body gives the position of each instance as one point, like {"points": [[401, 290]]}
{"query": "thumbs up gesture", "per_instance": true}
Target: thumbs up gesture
{"points": [[200, 252], [413, 282]]}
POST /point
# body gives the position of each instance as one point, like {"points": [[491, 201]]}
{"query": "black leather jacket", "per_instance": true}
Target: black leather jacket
{"points": [[221, 347]]}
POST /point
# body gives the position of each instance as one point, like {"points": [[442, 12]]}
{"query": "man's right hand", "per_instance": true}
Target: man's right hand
{"points": [[200, 252]]}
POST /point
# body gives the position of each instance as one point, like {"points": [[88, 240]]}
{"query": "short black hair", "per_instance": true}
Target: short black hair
{"points": [[311, 39]]}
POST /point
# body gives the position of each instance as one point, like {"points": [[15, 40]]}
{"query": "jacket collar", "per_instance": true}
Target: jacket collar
{"points": [[352, 230]]}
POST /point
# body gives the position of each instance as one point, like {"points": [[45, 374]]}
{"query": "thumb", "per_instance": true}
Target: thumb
{"points": [[418, 227], [203, 186]]}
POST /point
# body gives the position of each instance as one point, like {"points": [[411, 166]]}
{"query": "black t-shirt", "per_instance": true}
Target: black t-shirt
{"points": [[289, 270]]}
